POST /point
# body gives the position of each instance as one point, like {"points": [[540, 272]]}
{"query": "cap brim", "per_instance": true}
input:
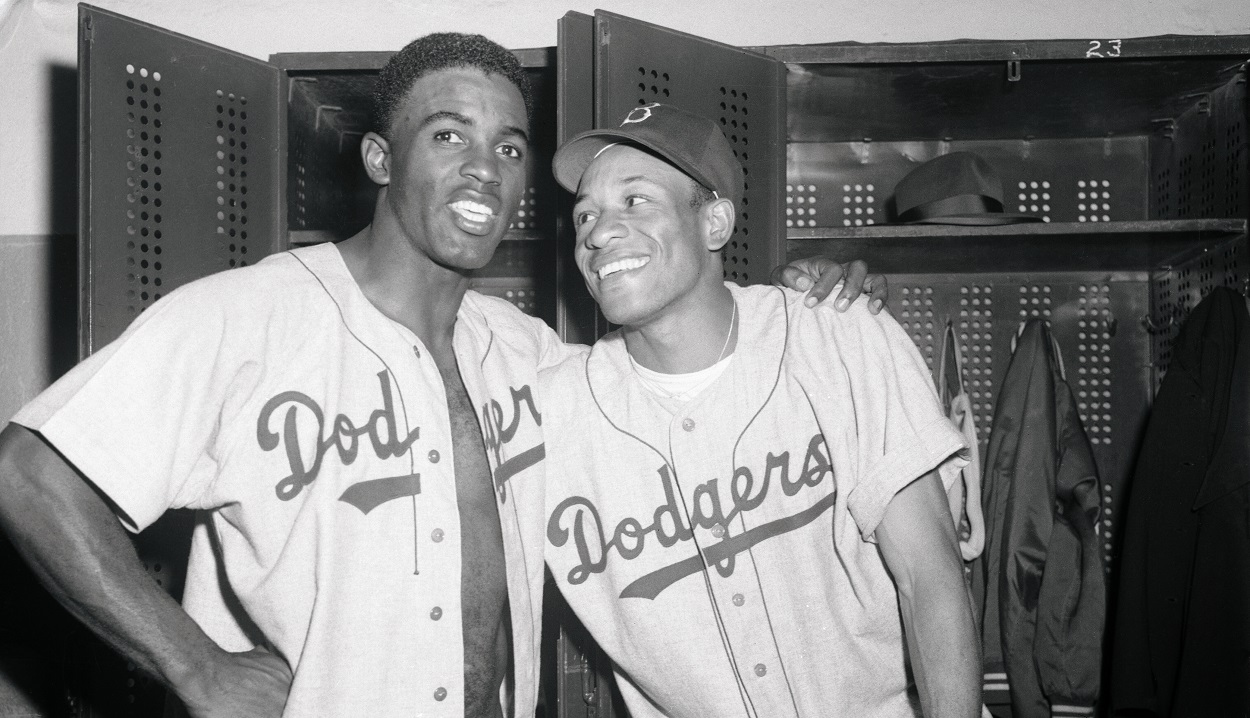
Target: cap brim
{"points": [[571, 160], [979, 220]]}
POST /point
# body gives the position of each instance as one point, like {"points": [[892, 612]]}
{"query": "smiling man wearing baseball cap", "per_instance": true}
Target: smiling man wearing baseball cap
{"points": [[745, 497]]}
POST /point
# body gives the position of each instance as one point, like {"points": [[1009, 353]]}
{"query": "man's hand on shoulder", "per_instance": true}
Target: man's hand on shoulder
{"points": [[821, 275], [253, 684]]}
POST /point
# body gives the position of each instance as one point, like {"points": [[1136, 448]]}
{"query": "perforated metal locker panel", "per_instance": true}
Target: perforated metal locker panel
{"points": [[178, 166], [1096, 317], [638, 63]]}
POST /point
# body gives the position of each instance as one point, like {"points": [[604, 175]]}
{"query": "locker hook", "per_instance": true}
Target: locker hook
{"points": [[1013, 71], [1152, 328]]}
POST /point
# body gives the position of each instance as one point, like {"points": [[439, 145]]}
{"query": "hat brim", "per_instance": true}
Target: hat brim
{"points": [[571, 160], [979, 220]]}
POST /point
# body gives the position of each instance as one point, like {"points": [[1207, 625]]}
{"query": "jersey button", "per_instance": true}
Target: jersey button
{"points": [[739, 599], [434, 456], [761, 670], [436, 535], [687, 424], [436, 613], [440, 694], [718, 531]]}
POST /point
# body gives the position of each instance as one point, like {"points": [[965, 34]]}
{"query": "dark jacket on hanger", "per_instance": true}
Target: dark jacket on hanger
{"points": [[1039, 587], [1182, 618]]}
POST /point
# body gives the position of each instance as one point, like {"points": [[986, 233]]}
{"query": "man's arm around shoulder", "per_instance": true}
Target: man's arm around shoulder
{"points": [[920, 549], [75, 544]]}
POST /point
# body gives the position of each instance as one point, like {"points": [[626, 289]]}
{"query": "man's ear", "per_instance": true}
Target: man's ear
{"points": [[720, 216], [375, 151]]}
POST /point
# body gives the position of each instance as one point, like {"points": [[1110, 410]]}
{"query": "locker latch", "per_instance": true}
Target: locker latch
{"points": [[1013, 71]]}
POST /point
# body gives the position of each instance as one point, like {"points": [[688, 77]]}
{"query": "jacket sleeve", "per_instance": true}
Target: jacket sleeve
{"points": [[1072, 600]]}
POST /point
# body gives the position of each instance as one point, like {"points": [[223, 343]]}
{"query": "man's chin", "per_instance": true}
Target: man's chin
{"points": [[620, 313]]}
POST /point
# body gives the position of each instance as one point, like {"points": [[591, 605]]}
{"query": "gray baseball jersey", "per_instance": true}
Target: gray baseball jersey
{"points": [[721, 551], [314, 431]]}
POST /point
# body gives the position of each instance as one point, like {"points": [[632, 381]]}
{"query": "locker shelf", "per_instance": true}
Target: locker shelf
{"points": [[1048, 247]]}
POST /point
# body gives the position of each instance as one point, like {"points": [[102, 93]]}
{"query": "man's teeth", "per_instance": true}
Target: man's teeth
{"points": [[472, 211], [621, 265]]}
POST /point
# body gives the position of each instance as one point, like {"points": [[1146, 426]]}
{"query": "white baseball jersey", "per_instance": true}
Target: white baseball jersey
{"points": [[775, 478], [315, 433]]}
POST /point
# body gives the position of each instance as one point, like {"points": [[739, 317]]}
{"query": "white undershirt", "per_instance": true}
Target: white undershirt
{"points": [[679, 387]]}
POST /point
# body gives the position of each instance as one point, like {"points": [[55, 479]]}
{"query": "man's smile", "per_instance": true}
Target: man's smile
{"points": [[473, 211], [621, 265]]}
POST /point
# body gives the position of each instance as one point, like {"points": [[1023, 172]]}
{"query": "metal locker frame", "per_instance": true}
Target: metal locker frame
{"points": [[1170, 163]]}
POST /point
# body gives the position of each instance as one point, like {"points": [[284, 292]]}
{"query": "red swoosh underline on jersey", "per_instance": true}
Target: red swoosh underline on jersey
{"points": [[650, 585]]}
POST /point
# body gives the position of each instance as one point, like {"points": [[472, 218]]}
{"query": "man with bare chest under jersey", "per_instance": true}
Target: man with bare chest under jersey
{"points": [[351, 421]]}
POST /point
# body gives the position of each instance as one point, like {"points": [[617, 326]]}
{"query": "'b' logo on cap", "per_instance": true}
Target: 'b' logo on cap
{"points": [[633, 115]]}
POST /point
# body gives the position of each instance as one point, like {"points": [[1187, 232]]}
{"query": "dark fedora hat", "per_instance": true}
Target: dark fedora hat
{"points": [[955, 188]]}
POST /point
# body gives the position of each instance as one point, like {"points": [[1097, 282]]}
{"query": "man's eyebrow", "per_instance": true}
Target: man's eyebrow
{"points": [[458, 118], [627, 180], [517, 132], [446, 115]]}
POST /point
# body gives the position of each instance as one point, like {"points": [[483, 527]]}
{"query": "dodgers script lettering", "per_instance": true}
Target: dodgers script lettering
{"points": [[343, 435], [577, 518], [497, 434]]}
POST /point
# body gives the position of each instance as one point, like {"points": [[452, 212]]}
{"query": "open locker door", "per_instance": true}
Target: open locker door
{"points": [[178, 178], [624, 63], [178, 166]]}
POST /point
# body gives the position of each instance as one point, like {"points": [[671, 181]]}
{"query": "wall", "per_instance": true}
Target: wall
{"points": [[38, 123]]}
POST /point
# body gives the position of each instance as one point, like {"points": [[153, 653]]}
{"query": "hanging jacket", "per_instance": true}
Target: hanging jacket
{"points": [[1181, 644], [1038, 587]]}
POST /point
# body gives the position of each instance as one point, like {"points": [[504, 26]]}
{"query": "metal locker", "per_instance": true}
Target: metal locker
{"points": [[179, 172], [1133, 153]]}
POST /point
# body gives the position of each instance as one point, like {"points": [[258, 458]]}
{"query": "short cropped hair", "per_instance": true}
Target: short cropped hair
{"points": [[440, 51], [699, 195]]}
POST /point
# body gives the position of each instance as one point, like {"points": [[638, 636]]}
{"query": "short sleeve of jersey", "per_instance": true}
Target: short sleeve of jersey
{"points": [[139, 418], [553, 351], [901, 433]]}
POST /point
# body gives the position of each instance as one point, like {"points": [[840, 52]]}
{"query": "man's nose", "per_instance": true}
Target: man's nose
{"points": [[482, 165], [608, 227]]}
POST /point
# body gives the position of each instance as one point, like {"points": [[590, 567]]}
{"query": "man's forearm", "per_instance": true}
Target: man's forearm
{"points": [[76, 546], [942, 643], [918, 544]]}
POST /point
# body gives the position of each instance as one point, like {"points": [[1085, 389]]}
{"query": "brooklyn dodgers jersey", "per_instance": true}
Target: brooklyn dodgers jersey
{"points": [[722, 551]]}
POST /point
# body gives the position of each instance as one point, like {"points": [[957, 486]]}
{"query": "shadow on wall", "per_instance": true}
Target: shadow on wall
{"points": [[37, 637], [62, 286]]}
